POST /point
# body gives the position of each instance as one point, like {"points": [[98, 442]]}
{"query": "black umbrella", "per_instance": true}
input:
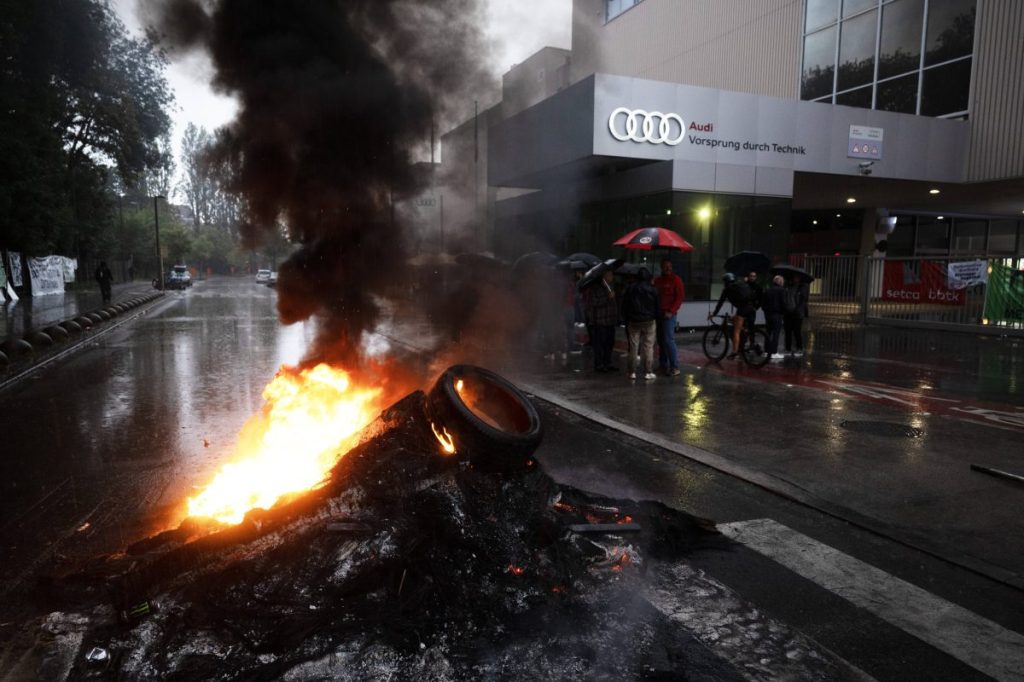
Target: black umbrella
{"points": [[790, 271], [744, 262], [588, 258], [530, 262], [629, 269], [595, 273], [573, 265]]}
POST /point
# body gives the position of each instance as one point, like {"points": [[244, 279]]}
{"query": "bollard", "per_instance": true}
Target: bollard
{"points": [[39, 339], [71, 327], [3, 359], [16, 348], [57, 333], [84, 321]]}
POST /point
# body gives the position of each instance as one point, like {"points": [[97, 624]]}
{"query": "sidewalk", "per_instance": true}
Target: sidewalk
{"points": [[877, 426], [36, 312]]}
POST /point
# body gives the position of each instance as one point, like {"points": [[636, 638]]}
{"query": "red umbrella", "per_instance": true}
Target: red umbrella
{"points": [[654, 238]]}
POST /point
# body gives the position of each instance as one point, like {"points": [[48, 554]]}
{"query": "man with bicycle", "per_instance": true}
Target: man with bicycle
{"points": [[740, 295]]}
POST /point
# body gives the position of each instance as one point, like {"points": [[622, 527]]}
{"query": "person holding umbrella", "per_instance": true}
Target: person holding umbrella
{"points": [[793, 319], [671, 295], [603, 316], [640, 309]]}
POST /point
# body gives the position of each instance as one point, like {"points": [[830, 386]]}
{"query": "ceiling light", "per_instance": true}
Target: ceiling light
{"points": [[704, 213], [851, 200], [933, 191], [839, 215], [941, 217], [814, 222]]}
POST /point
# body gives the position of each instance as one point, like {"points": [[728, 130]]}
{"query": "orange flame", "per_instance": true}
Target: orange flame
{"points": [[444, 438], [311, 418]]}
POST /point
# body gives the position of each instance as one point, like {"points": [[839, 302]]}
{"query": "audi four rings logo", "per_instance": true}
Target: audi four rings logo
{"points": [[646, 126]]}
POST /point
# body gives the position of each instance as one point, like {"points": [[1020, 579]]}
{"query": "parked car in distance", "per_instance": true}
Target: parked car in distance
{"points": [[262, 276], [272, 282], [179, 277]]}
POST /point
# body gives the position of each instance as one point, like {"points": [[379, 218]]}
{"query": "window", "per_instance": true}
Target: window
{"points": [[820, 13], [851, 44], [819, 63], [945, 88], [932, 236], [969, 236], [900, 48], [617, 7], [901, 239], [857, 51], [861, 97], [950, 31], [851, 7], [898, 94], [1002, 237]]}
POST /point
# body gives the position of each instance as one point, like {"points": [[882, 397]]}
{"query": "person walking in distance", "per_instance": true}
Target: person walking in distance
{"points": [[757, 299], [774, 310], [104, 278], [794, 321], [738, 293], [640, 309], [671, 295], [603, 316]]}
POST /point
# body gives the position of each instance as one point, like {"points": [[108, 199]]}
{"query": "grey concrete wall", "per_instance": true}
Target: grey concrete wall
{"points": [[543, 74], [742, 45], [997, 98]]}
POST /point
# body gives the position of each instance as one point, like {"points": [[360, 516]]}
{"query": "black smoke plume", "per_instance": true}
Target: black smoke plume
{"points": [[335, 96]]}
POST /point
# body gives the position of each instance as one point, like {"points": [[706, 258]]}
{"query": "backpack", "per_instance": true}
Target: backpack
{"points": [[789, 303]]}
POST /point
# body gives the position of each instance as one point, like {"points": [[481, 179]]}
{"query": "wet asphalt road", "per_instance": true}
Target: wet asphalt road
{"points": [[102, 447]]}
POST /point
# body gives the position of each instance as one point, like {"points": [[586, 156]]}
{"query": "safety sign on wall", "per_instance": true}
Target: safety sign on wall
{"points": [[865, 143]]}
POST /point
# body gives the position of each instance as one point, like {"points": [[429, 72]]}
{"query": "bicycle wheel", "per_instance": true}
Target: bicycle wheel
{"points": [[715, 343], [755, 347]]}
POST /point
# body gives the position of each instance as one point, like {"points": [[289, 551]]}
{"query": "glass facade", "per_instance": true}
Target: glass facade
{"points": [[925, 235], [908, 56]]}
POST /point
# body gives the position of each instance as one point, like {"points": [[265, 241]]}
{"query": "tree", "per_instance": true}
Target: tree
{"points": [[83, 115], [198, 183]]}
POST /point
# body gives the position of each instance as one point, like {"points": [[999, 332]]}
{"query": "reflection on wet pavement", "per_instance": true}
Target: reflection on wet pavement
{"points": [[132, 422]]}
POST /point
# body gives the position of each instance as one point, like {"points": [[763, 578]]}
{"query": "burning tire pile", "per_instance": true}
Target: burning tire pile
{"points": [[437, 549]]}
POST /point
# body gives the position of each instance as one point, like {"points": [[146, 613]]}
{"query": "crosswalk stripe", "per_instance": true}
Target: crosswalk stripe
{"points": [[978, 642], [757, 646]]}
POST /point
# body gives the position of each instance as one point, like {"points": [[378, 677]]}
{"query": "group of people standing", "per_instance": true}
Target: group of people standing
{"points": [[649, 306], [785, 308]]}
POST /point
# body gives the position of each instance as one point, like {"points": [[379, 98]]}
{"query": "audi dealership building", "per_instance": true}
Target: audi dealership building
{"points": [[783, 126]]}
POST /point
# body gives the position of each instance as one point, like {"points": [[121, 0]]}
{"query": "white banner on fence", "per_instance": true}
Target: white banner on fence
{"points": [[963, 274], [15, 261], [70, 267], [47, 275]]}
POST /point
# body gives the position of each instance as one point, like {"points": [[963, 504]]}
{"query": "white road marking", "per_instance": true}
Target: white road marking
{"points": [[754, 644], [978, 642]]}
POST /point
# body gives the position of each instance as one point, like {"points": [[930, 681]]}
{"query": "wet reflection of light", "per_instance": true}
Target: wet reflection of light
{"points": [[845, 374], [925, 386], [694, 412]]}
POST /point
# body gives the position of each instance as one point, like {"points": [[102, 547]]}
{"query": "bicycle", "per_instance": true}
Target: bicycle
{"points": [[753, 343]]}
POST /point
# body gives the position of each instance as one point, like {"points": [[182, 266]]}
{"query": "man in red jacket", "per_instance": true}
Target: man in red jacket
{"points": [[670, 296]]}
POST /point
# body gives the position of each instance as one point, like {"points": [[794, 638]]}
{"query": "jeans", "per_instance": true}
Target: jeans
{"points": [[641, 335], [668, 354], [774, 329], [603, 340]]}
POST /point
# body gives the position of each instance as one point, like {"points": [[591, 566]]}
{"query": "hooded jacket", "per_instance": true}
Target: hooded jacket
{"points": [[640, 302]]}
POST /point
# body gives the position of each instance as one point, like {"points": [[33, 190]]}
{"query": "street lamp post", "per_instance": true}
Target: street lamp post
{"points": [[159, 253]]}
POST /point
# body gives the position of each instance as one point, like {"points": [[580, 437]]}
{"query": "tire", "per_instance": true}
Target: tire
{"points": [[715, 343], [755, 349], [502, 443]]}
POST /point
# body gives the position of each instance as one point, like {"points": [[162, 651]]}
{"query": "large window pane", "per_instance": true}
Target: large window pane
{"points": [[950, 30], [857, 51], [898, 94], [851, 7], [901, 239], [861, 97], [820, 13], [819, 63], [946, 88], [932, 236], [900, 48], [969, 236], [1002, 237]]}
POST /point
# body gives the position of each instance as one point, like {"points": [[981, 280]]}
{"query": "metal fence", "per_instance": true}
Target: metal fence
{"points": [[966, 293]]}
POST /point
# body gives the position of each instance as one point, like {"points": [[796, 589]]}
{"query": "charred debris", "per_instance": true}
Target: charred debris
{"points": [[408, 563]]}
